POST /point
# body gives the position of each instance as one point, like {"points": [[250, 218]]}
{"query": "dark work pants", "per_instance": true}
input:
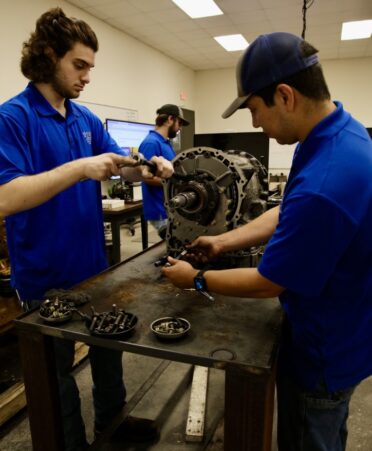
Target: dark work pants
{"points": [[108, 390], [311, 420]]}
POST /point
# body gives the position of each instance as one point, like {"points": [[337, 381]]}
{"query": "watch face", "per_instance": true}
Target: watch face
{"points": [[199, 285]]}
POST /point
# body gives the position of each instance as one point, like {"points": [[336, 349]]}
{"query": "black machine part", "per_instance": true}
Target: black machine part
{"points": [[212, 192]]}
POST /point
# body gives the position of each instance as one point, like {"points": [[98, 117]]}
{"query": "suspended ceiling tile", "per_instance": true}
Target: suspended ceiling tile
{"points": [[174, 14], [152, 5], [240, 6], [151, 21]]}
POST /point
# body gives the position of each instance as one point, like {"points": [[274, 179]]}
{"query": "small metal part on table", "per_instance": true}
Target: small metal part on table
{"points": [[170, 327]]}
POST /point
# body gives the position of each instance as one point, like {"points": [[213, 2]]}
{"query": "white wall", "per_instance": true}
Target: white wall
{"points": [[349, 81], [128, 74], [131, 75]]}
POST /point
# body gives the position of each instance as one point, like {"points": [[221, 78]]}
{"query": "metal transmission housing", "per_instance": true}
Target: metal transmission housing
{"points": [[212, 192]]}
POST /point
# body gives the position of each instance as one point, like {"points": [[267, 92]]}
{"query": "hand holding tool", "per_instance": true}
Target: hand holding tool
{"points": [[177, 257], [140, 161], [163, 261]]}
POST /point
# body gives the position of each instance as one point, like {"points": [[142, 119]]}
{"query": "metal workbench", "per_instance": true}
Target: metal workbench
{"points": [[237, 335]]}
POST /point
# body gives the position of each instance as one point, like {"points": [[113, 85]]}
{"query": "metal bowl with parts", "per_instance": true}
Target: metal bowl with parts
{"points": [[115, 324], [55, 311], [170, 327]]}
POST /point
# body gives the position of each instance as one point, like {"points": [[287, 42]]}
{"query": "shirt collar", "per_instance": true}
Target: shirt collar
{"points": [[161, 136], [331, 124], [44, 108], [327, 128]]}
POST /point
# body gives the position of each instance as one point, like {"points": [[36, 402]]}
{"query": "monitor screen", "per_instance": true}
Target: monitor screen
{"points": [[128, 135]]}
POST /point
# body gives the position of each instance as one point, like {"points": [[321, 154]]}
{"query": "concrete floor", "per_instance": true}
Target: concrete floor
{"points": [[167, 401]]}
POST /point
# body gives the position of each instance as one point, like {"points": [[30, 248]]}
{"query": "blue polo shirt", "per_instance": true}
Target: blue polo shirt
{"points": [[60, 242], [321, 252], [152, 196]]}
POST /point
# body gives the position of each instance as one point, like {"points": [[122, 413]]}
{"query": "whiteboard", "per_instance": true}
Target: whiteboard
{"points": [[112, 112]]}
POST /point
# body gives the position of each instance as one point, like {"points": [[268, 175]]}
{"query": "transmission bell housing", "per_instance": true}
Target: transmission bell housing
{"points": [[212, 192]]}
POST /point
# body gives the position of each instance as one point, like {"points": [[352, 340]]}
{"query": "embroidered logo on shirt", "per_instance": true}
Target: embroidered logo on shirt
{"points": [[88, 137]]}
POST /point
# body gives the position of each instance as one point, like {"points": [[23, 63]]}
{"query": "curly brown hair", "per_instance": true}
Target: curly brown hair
{"points": [[59, 33]]}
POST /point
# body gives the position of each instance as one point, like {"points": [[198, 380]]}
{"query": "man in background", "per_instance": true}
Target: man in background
{"points": [[319, 254], [168, 124], [53, 153]]}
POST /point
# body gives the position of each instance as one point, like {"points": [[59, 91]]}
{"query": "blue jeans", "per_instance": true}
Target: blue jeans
{"points": [[108, 390], [311, 420]]}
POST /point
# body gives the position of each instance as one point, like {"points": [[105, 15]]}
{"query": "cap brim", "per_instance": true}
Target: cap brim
{"points": [[184, 121], [237, 103]]}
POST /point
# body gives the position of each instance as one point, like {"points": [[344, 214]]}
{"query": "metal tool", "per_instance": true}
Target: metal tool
{"points": [[140, 161], [163, 261], [177, 257], [207, 295], [25, 307]]}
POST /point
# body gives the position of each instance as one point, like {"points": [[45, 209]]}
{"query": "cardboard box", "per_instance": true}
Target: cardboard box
{"points": [[112, 204]]}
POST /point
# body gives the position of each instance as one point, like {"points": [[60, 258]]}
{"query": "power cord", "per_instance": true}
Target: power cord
{"points": [[306, 5]]}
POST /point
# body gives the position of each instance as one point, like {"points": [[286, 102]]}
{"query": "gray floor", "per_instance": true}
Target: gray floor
{"points": [[168, 401]]}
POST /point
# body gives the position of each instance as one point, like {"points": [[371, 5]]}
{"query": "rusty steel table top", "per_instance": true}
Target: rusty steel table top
{"points": [[228, 330]]}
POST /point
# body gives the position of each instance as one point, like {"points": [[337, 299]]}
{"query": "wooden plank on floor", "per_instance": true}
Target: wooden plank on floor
{"points": [[198, 400], [13, 399], [81, 351]]}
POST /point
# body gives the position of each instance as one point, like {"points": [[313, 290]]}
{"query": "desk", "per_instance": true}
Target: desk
{"points": [[248, 329], [118, 217]]}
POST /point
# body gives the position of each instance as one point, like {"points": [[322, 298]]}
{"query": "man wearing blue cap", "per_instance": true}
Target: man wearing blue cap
{"points": [[318, 259]]}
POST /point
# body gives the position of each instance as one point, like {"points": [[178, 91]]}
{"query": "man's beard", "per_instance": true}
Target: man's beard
{"points": [[172, 132], [60, 87]]}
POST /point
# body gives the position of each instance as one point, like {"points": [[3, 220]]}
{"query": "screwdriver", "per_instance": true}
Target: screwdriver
{"points": [[207, 295]]}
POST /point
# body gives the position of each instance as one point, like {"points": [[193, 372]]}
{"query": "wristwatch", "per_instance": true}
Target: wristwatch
{"points": [[199, 281]]}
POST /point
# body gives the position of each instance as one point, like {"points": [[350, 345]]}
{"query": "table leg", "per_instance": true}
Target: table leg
{"points": [[144, 231], [249, 407], [41, 385], [115, 230]]}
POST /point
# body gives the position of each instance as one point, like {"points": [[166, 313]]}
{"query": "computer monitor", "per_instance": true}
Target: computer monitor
{"points": [[128, 135]]}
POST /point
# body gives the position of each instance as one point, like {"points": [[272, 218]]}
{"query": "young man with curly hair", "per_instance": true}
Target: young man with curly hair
{"points": [[53, 153]]}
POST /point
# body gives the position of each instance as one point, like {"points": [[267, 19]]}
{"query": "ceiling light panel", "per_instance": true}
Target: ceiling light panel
{"points": [[359, 29], [198, 8], [232, 42]]}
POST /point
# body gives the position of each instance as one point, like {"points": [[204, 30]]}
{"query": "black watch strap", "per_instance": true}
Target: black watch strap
{"points": [[200, 282]]}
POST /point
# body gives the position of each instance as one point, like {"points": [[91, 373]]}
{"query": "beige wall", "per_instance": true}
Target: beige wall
{"points": [[349, 80], [131, 75], [128, 74]]}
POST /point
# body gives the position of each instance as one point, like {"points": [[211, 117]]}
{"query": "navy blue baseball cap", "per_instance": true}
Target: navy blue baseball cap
{"points": [[269, 59]]}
